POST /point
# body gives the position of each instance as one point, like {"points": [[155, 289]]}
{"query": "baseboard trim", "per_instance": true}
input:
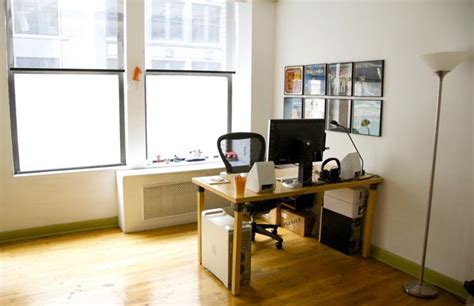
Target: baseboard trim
{"points": [[445, 282], [57, 229]]}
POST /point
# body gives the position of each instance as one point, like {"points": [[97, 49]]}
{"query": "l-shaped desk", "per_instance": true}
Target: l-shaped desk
{"points": [[227, 191]]}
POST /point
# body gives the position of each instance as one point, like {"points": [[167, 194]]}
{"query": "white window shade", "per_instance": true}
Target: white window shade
{"points": [[67, 121], [185, 113]]}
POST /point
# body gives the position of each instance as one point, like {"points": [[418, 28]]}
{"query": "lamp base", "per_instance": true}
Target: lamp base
{"points": [[425, 291]]}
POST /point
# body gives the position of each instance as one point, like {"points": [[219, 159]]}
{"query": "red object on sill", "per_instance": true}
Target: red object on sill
{"points": [[230, 155]]}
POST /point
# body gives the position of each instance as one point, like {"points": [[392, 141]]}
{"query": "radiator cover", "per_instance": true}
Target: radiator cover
{"points": [[173, 200], [155, 198]]}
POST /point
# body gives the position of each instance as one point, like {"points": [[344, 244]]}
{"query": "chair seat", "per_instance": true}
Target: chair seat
{"points": [[261, 206]]}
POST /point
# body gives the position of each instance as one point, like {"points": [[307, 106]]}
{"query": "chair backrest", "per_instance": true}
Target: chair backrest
{"points": [[239, 151]]}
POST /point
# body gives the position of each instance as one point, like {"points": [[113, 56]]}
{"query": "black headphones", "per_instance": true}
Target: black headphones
{"points": [[331, 175]]}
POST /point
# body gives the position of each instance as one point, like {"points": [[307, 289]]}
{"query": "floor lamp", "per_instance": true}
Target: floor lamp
{"points": [[440, 64]]}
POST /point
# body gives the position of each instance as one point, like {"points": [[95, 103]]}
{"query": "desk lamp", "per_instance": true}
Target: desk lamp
{"points": [[440, 63], [335, 123]]}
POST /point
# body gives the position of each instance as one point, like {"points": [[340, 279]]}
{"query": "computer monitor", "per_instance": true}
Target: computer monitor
{"points": [[301, 141]]}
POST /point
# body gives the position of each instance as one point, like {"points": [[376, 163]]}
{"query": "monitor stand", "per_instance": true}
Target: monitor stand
{"points": [[305, 167]]}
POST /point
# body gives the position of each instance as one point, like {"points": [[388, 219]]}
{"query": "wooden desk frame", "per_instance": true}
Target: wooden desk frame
{"points": [[227, 192]]}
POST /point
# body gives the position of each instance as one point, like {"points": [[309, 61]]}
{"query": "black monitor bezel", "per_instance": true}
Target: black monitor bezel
{"points": [[320, 127]]}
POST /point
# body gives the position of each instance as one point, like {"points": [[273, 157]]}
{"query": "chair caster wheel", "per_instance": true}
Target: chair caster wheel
{"points": [[279, 245]]}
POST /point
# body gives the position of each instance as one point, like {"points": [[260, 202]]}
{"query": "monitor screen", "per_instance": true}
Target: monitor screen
{"points": [[285, 136]]}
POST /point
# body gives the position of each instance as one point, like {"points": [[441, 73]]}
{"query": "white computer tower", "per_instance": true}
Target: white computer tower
{"points": [[216, 246]]}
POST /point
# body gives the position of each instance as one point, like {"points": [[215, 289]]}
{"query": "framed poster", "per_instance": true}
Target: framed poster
{"points": [[294, 80], [367, 117], [315, 80], [314, 108], [339, 79], [339, 110], [292, 108], [368, 78]]}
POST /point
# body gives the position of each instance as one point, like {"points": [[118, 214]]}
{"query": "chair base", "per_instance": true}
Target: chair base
{"points": [[263, 230]]}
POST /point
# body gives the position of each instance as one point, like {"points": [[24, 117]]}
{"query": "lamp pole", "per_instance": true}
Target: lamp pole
{"points": [[413, 287], [441, 63]]}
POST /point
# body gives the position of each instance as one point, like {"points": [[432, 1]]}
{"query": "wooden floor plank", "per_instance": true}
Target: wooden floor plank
{"points": [[158, 267]]}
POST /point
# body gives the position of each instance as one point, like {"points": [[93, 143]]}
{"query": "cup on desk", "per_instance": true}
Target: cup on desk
{"points": [[240, 184]]}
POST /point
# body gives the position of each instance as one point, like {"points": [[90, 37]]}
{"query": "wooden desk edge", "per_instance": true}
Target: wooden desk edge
{"points": [[249, 196]]}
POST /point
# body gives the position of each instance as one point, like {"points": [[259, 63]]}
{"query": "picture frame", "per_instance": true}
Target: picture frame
{"points": [[314, 108], [315, 80], [292, 108], [367, 117], [368, 78], [339, 79], [293, 80], [340, 111]]}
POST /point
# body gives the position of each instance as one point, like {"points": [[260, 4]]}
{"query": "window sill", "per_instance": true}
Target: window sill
{"points": [[172, 167]]}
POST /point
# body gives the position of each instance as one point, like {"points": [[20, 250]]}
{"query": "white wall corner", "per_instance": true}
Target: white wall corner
{"points": [[263, 64]]}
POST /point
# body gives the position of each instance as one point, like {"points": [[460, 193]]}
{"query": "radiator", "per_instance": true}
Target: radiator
{"points": [[156, 198], [174, 200]]}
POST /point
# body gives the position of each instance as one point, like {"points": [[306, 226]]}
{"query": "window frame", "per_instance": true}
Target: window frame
{"points": [[226, 74], [12, 71]]}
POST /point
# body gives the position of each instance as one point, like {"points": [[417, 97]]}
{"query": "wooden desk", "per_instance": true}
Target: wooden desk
{"points": [[227, 192]]}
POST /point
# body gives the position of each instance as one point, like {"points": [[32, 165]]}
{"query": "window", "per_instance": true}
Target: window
{"points": [[38, 62], [66, 81], [189, 107], [167, 20], [190, 31], [211, 66], [206, 23], [37, 17], [179, 121], [170, 65], [66, 94]]}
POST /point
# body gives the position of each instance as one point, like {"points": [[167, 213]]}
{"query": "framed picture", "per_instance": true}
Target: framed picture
{"points": [[292, 108], [294, 80], [339, 79], [339, 110], [315, 80], [314, 108], [367, 117], [368, 79]]}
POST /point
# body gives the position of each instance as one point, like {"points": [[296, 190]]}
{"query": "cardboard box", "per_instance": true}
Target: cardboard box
{"points": [[300, 222]]}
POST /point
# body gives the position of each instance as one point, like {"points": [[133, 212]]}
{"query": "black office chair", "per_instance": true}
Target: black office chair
{"points": [[239, 151]]}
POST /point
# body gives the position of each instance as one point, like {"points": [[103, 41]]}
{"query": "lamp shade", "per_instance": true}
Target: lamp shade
{"points": [[444, 61]]}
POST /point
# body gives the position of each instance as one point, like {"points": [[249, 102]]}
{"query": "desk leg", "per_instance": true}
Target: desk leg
{"points": [[236, 248], [369, 220], [200, 207]]}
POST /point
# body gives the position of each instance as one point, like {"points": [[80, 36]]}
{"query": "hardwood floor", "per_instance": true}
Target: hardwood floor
{"points": [[107, 267]]}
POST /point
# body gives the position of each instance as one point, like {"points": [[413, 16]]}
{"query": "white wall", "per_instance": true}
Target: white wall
{"points": [[263, 34], [253, 90], [398, 31]]}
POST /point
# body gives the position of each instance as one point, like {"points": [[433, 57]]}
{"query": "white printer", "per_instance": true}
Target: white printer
{"points": [[216, 246], [349, 202]]}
